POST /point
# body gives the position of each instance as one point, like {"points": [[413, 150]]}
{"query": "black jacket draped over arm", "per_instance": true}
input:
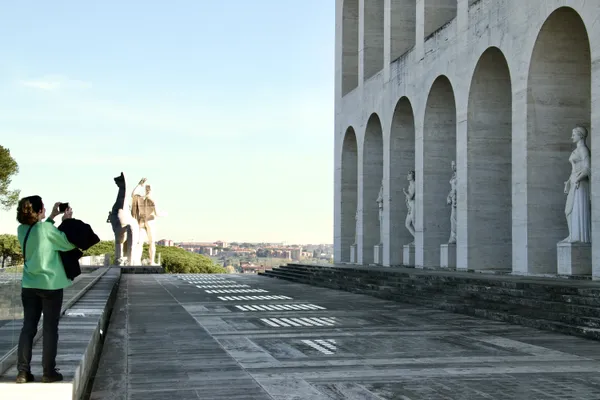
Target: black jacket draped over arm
{"points": [[81, 235]]}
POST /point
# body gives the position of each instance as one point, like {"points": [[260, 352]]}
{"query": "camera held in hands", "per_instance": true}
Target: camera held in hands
{"points": [[63, 207]]}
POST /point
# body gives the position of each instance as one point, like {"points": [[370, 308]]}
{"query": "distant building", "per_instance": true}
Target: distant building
{"points": [[296, 254], [165, 242], [250, 268]]}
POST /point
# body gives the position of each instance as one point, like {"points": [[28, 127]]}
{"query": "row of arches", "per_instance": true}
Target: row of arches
{"points": [[403, 19], [558, 99]]}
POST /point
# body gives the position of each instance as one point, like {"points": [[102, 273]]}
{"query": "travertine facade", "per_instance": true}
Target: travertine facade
{"points": [[498, 86]]}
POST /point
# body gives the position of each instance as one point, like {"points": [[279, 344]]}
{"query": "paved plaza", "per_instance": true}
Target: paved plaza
{"points": [[250, 337]]}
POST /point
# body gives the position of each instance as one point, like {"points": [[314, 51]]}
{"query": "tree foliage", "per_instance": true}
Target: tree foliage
{"points": [[103, 247], [10, 247], [8, 168], [176, 260]]}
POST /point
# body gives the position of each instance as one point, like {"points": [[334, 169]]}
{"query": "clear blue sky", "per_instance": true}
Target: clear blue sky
{"points": [[225, 106]]}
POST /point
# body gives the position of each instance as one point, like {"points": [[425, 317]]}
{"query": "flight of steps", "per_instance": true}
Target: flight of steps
{"points": [[566, 306]]}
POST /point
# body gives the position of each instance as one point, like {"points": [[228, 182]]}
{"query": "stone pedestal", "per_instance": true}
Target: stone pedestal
{"points": [[448, 255], [378, 254], [409, 255], [574, 258], [353, 254]]}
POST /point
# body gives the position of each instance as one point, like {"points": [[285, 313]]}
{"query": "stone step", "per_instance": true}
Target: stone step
{"points": [[553, 292], [581, 305], [542, 308], [570, 305], [572, 287], [515, 319], [547, 313]]}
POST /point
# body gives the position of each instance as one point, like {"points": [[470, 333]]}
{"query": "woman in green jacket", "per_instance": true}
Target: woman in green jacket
{"points": [[43, 282]]}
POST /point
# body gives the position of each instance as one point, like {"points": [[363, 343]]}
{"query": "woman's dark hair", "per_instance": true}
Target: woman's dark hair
{"points": [[28, 209]]}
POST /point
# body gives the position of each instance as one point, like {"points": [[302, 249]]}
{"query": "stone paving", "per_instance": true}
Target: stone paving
{"points": [[199, 337]]}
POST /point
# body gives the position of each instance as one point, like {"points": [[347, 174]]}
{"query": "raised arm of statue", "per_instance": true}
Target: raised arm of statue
{"points": [[138, 189]]}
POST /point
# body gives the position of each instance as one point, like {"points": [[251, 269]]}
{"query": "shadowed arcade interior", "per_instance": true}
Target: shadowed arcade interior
{"points": [[402, 156], [489, 166], [558, 99], [439, 146], [349, 192], [372, 177], [349, 46]]}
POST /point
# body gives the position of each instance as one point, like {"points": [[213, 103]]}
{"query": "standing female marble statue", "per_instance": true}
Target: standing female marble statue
{"points": [[451, 200], [578, 207], [356, 227], [380, 207], [410, 203]]}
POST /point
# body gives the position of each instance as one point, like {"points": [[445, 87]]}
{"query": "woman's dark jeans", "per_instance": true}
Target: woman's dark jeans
{"points": [[36, 302]]}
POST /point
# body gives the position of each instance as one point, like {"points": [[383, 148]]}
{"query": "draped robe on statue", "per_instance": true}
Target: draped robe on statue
{"points": [[578, 207]]}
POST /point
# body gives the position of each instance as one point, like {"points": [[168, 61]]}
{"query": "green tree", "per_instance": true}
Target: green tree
{"points": [[176, 260], [10, 247], [8, 168], [103, 247]]}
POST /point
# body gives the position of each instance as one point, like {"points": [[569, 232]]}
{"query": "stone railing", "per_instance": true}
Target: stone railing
{"points": [[101, 260]]}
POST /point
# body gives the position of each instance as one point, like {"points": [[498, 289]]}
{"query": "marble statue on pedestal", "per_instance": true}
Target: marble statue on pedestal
{"points": [[123, 226], [353, 247], [380, 207], [410, 204], [451, 201], [144, 211], [356, 227], [578, 205]]}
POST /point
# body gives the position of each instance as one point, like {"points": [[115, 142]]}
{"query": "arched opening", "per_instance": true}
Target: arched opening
{"points": [[373, 53], [489, 164], [437, 14], [439, 150], [371, 182], [402, 156], [558, 99], [350, 15], [349, 188], [404, 18]]}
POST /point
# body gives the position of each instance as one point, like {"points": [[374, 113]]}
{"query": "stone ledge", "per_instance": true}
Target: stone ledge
{"points": [[81, 329], [141, 269], [72, 294]]}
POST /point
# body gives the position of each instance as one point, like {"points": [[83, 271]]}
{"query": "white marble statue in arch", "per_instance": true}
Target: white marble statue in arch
{"points": [[410, 204], [380, 207], [578, 206], [451, 201]]}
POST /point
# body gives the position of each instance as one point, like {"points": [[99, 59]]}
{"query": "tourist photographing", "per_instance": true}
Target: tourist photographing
{"points": [[44, 279]]}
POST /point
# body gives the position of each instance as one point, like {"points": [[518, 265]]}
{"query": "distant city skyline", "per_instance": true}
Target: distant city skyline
{"points": [[226, 108]]}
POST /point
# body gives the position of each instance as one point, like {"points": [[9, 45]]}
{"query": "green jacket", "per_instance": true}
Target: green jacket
{"points": [[43, 267]]}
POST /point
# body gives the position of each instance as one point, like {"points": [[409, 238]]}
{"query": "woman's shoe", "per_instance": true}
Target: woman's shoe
{"points": [[24, 377], [53, 376]]}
